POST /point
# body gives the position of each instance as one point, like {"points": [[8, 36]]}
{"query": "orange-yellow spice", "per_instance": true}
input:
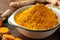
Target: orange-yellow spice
{"points": [[37, 17]]}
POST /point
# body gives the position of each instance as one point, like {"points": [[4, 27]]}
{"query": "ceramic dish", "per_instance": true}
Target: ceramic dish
{"points": [[36, 34]]}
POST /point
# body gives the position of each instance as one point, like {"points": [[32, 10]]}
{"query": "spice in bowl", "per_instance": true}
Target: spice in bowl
{"points": [[37, 17]]}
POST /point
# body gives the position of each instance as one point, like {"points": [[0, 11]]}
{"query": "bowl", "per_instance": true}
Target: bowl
{"points": [[35, 34]]}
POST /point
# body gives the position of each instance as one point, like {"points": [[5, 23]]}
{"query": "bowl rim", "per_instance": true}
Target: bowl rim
{"points": [[56, 26], [38, 30]]}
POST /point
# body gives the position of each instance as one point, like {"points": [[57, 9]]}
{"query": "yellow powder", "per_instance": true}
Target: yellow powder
{"points": [[37, 17]]}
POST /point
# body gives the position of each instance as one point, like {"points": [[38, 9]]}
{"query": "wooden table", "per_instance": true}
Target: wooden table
{"points": [[4, 5]]}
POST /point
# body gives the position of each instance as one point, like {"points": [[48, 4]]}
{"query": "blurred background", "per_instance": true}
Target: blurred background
{"points": [[4, 5]]}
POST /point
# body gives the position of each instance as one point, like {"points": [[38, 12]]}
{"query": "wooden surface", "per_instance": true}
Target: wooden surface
{"points": [[4, 5]]}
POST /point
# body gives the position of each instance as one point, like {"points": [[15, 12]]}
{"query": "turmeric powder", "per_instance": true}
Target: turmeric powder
{"points": [[37, 17]]}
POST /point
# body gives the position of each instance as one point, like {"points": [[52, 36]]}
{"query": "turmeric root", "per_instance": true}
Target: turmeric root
{"points": [[7, 37], [27, 2], [47, 1], [21, 3], [7, 13], [0, 22], [17, 39], [4, 30]]}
